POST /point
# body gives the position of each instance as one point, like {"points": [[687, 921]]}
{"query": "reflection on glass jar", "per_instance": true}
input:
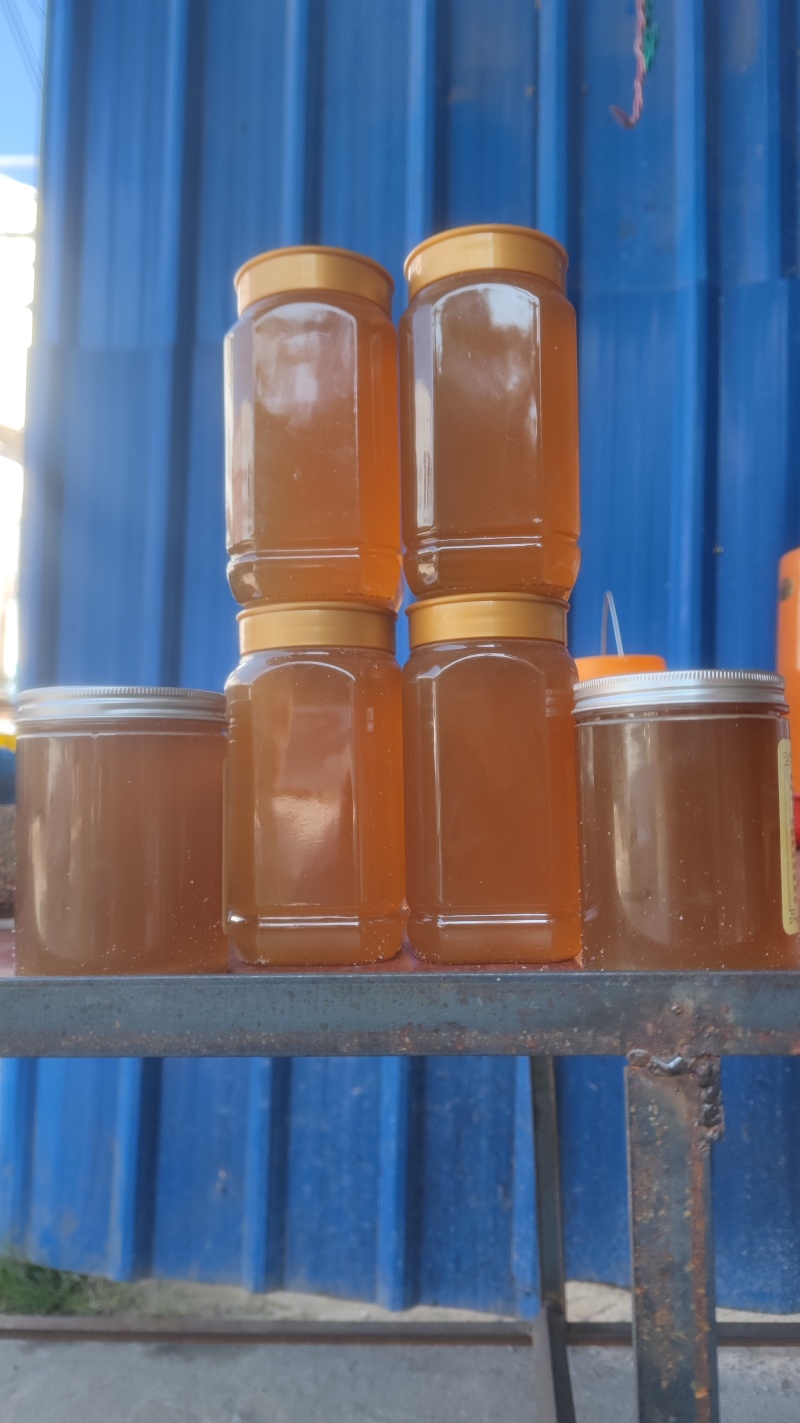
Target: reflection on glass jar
{"points": [[687, 836], [491, 814], [489, 415], [311, 430], [119, 831], [314, 815]]}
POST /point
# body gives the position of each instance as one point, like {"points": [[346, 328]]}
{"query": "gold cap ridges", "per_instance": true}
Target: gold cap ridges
{"points": [[335, 269], [265, 626], [499, 247]]}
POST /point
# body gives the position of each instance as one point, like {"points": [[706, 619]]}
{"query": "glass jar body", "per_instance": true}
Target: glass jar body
{"points": [[489, 436], [683, 863], [491, 815], [312, 501], [119, 848], [314, 812]]}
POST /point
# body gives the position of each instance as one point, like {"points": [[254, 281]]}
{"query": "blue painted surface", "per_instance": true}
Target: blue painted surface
{"points": [[179, 140]]}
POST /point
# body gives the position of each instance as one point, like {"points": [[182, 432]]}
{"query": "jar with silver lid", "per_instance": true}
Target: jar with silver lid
{"points": [[119, 831], [687, 835]]}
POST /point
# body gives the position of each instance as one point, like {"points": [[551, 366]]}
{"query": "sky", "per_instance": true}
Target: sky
{"points": [[21, 60], [20, 86]]}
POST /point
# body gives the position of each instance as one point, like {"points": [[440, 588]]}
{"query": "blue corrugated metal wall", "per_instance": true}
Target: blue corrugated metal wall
{"points": [[183, 136]]}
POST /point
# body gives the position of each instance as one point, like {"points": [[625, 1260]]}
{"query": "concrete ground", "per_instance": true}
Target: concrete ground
{"points": [[172, 1383]]}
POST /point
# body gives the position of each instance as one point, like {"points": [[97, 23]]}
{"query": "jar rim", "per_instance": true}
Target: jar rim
{"points": [[486, 247], [298, 269], [691, 687], [123, 703]]}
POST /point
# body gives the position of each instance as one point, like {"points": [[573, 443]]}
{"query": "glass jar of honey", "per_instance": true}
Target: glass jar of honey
{"points": [[491, 814], [489, 415], [687, 834], [314, 795], [119, 831], [312, 485]]}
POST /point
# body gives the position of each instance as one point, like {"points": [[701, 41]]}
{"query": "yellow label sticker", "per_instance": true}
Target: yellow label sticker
{"points": [[791, 916]]}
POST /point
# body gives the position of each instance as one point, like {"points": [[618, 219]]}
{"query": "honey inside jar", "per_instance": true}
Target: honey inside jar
{"points": [[119, 832], [311, 419], [314, 813], [491, 810], [687, 839], [489, 416]]}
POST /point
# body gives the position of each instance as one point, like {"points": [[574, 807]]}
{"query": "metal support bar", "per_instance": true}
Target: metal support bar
{"points": [[674, 1114], [404, 1010], [551, 1366], [744, 1334]]}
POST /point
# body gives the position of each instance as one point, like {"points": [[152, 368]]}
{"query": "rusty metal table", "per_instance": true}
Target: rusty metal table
{"points": [[671, 1028]]}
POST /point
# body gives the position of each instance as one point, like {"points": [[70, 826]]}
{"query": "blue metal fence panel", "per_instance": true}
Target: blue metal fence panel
{"points": [[180, 139]]}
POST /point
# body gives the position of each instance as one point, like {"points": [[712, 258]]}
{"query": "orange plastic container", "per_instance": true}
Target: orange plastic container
{"points": [[623, 665], [489, 415], [491, 813], [314, 789], [619, 663], [119, 831], [313, 507]]}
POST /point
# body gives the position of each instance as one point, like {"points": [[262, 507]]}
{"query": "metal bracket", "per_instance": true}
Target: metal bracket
{"points": [[674, 1115]]}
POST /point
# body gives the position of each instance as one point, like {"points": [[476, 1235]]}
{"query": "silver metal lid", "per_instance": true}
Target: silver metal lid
{"points": [[677, 689], [41, 704]]}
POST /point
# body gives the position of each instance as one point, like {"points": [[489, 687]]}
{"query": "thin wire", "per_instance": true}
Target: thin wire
{"points": [[19, 34], [609, 606], [645, 45]]}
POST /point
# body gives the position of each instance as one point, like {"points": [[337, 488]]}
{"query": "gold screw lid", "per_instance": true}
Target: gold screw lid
{"points": [[500, 247], [273, 625], [289, 269], [466, 616]]}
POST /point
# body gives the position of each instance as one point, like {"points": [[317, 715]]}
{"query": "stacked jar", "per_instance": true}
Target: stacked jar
{"points": [[490, 484], [314, 820]]}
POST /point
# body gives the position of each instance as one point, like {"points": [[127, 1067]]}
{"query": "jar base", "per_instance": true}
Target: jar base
{"points": [[309, 575], [306, 942], [34, 961], [701, 956], [494, 938], [493, 564]]}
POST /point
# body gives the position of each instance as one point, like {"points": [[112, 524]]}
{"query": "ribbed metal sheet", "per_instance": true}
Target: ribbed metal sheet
{"points": [[182, 137]]}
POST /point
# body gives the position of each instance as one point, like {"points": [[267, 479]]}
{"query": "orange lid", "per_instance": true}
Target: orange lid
{"points": [[313, 269], [499, 247], [620, 663], [611, 665]]}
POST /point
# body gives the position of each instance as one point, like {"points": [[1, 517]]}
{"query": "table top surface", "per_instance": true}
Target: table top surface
{"points": [[400, 1008]]}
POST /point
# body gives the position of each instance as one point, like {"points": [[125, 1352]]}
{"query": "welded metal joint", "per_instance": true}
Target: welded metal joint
{"points": [[706, 1070]]}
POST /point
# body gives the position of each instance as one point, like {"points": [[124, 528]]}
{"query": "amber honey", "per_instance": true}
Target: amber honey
{"points": [[489, 416], [687, 837], [119, 832], [313, 508], [491, 811], [314, 813]]}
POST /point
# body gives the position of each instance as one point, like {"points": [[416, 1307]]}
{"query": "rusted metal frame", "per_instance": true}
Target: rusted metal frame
{"points": [[744, 1334], [510, 1333], [402, 1011], [674, 1114], [133, 1329], [552, 1382]]}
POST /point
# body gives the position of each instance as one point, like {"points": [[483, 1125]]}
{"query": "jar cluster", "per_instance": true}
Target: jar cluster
{"points": [[450, 804]]}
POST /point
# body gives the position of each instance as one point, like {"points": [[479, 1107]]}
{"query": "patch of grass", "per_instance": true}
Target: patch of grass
{"points": [[35, 1289]]}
